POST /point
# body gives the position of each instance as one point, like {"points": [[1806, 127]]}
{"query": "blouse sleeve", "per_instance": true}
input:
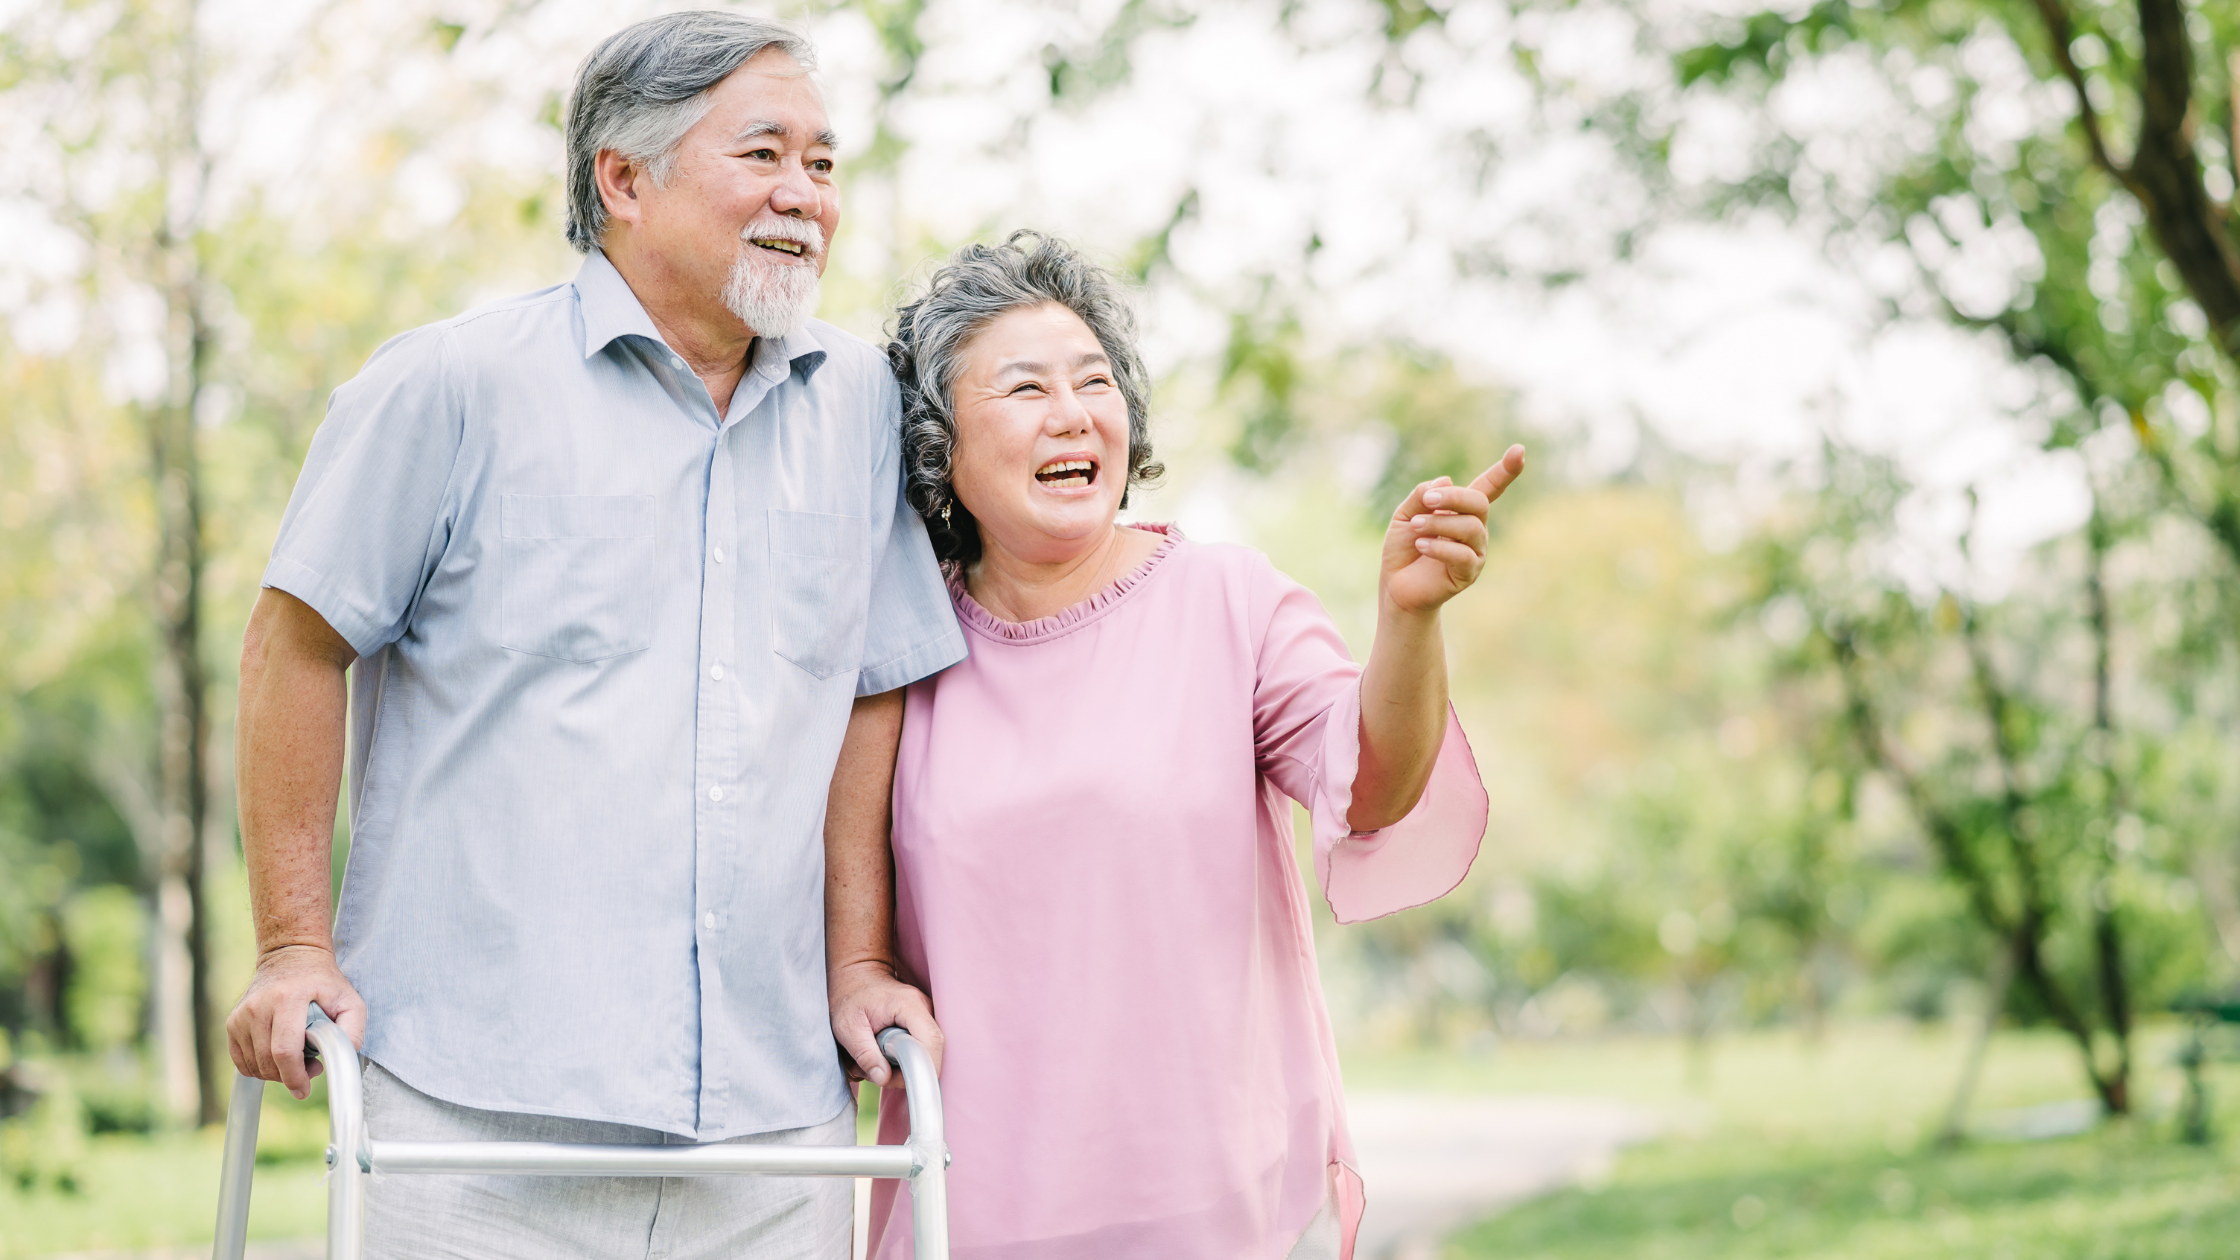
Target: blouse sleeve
{"points": [[1307, 729]]}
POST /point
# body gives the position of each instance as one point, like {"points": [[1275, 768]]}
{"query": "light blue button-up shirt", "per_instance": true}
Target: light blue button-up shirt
{"points": [[607, 647]]}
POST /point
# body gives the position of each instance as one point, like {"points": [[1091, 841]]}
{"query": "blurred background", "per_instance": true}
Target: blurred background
{"points": [[1854, 672]]}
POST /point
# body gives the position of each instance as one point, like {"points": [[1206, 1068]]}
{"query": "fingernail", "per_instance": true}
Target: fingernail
{"points": [[1423, 544], [1418, 520], [1431, 498]]}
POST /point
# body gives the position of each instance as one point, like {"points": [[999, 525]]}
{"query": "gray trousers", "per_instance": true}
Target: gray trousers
{"points": [[475, 1217]]}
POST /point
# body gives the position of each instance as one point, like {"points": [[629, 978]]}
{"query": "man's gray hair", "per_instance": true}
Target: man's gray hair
{"points": [[645, 86], [978, 284]]}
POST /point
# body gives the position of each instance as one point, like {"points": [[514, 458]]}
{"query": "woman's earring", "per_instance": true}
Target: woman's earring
{"points": [[944, 513]]}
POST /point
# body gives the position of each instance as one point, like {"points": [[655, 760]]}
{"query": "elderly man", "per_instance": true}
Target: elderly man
{"points": [[622, 572]]}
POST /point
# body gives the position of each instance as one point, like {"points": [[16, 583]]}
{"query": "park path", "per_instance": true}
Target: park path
{"points": [[1436, 1162]]}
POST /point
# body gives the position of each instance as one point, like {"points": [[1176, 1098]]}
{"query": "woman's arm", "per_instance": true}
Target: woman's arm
{"points": [[1433, 551], [860, 984]]}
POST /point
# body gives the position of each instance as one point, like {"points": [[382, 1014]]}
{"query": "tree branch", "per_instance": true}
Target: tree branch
{"points": [[1944, 833], [2166, 173], [2056, 18]]}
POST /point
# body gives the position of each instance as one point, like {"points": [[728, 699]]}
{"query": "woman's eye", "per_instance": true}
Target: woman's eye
{"points": [[1023, 386], [1095, 380]]}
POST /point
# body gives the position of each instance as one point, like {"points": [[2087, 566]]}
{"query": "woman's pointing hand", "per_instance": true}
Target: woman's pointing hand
{"points": [[1436, 543]]}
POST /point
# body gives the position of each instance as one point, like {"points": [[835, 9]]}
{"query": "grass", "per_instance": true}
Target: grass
{"points": [[1775, 1148], [137, 1192]]}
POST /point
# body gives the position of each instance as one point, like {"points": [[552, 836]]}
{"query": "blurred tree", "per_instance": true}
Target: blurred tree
{"points": [[2035, 141], [1999, 728]]}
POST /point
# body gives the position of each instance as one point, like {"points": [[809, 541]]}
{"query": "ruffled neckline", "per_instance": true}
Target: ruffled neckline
{"points": [[972, 614]]}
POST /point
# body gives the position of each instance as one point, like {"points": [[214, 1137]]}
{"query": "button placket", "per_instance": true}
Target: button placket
{"points": [[717, 747]]}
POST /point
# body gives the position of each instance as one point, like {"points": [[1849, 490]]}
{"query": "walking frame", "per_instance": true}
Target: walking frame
{"points": [[353, 1154]]}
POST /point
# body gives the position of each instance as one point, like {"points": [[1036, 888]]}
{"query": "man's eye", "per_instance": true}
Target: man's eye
{"points": [[764, 155], [822, 166]]}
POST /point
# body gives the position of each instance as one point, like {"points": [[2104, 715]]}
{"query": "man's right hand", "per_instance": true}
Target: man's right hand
{"points": [[265, 1031]]}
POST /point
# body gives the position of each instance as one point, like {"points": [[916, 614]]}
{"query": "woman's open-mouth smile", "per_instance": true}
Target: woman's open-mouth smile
{"points": [[1071, 473]]}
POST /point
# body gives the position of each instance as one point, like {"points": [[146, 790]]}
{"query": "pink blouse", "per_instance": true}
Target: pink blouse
{"points": [[1095, 882]]}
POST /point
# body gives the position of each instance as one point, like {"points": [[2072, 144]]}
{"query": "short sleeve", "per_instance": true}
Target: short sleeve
{"points": [[911, 628], [1307, 728], [369, 515]]}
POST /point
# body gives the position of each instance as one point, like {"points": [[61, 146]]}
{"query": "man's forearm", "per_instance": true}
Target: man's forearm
{"points": [[1403, 718], [288, 754]]}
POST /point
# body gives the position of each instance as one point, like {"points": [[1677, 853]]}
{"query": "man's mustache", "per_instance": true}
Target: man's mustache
{"points": [[802, 232]]}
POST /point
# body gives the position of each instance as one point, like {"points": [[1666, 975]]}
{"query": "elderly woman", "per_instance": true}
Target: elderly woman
{"points": [[1093, 873]]}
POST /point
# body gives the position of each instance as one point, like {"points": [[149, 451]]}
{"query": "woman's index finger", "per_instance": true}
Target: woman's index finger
{"points": [[1502, 475]]}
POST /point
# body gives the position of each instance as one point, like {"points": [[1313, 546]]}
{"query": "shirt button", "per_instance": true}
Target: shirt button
{"points": [[715, 794], [716, 672], [708, 920], [675, 361], [719, 555]]}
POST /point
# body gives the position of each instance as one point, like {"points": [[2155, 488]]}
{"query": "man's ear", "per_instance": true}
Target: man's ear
{"points": [[618, 178]]}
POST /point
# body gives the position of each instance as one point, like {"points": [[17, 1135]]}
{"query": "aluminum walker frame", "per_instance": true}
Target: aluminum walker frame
{"points": [[352, 1154]]}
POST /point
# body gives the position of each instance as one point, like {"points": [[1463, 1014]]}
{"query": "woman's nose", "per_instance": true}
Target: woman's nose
{"points": [[1067, 415]]}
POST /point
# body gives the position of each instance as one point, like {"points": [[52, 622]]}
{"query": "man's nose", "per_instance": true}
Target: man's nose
{"points": [[796, 194]]}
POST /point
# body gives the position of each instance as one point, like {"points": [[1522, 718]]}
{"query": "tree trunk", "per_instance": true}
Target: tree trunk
{"points": [[1955, 1128], [183, 738], [2107, 933]]}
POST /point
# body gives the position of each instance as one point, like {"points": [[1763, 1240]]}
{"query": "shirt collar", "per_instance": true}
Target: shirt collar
{"points": [[611, 310]]}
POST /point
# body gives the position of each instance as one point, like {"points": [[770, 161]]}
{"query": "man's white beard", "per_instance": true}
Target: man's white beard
{"points": [[774, 299]]}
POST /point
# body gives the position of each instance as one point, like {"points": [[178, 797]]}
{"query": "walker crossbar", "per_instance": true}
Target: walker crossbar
{"points": [[352, 1154]]}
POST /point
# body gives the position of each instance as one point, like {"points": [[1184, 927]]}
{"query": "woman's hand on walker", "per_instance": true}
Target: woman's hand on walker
{"points": [[867, 1000], [1436, 544]]}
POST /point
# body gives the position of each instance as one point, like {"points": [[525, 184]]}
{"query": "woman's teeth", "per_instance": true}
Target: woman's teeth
{"points": [[1066, 473]]}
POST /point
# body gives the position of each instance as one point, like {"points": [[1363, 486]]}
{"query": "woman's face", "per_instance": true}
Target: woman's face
{"points": [[1042, 435]]}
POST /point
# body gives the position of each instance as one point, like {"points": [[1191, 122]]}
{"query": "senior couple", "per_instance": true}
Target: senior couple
{"points": [[715, 690]]}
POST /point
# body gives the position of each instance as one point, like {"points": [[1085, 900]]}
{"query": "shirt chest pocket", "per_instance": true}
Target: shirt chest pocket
{"points": [[579, 574], [820, 587]]}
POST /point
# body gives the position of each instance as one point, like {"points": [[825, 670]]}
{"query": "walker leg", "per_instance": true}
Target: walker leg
{"points": [[929, 1213], [929, 1142], [347, 1151], [238, 1169]]}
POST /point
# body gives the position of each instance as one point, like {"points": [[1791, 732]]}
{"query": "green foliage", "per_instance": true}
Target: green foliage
{"points": [[2126, 1194], [105, 929], [44, 1148]]}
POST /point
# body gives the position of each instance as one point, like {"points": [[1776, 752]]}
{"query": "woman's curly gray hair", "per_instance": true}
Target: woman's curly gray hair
{"points": [[978, 284]]}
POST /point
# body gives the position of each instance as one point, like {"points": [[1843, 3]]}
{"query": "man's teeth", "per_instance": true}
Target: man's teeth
{"points": [[782, 246], [1066, 473]]}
